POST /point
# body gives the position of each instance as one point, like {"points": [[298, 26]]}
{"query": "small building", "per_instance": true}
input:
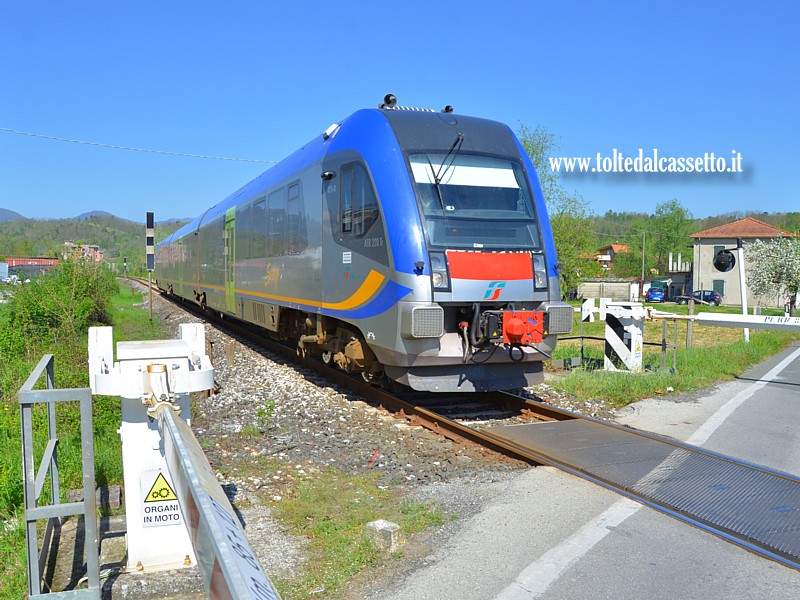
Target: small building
{"points": [[85, 251], [709, 242], [679, 275], [29, 266], [605, 255], [619, 289]]}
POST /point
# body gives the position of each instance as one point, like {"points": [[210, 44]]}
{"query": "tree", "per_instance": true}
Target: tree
{"points": [[629, 263], [670, 228], [665, 232], [774, 268], [570, 217]]}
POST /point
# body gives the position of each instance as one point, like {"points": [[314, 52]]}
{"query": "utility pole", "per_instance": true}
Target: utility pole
{"points": [[641, 285]]}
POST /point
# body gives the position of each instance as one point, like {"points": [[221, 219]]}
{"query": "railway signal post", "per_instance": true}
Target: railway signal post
{"points": [[150, 244]]}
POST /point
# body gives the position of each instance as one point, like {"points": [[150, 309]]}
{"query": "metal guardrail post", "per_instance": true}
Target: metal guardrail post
{"points": [[34, 480]]}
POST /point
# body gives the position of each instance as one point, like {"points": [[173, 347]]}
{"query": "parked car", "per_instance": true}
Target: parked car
{"points": [[709, 297], [654, 294]]}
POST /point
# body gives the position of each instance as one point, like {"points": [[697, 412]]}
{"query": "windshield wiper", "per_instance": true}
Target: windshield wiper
{"points": [[442, 170], [436, 182]]}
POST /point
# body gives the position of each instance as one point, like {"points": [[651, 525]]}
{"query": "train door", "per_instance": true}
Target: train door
{"points": [[180, 260], [229, 257]]}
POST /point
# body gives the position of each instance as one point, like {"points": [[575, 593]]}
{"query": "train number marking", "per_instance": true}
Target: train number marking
{"points": [[370, 335]]}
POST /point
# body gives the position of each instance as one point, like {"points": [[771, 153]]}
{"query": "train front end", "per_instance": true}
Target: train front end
{"points": [[490, 310]]}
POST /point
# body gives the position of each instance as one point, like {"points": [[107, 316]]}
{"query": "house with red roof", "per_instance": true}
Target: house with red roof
{"points": [[709, 242], [605, 255]]}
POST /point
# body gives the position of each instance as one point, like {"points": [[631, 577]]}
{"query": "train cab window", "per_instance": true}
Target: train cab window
{"points": [[359, 205], [473, 201]]}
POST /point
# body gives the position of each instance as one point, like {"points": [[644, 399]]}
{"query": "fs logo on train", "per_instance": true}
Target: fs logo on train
{"points": [[494, 289]]}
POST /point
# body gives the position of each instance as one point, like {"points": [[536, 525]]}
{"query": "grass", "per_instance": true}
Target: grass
{"points": [[717, 354], [331, 510], [13, 566]]}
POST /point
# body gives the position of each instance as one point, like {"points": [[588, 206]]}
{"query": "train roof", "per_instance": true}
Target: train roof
{"points": [[423, 130]]}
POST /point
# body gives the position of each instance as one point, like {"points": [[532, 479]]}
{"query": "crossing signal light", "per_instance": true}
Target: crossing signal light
{"points": [[724, 261]]}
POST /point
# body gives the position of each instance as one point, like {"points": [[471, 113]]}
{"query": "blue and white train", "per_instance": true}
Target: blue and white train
{"points": [[403, 244]]}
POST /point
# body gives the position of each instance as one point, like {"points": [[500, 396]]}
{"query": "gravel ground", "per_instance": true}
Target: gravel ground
{"points": [[269, 412]]}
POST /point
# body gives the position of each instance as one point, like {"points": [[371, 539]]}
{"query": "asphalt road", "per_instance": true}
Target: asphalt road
{"points": [[551, 535]]}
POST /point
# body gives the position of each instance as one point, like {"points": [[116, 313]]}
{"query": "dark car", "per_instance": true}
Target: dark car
{"points": [[709, 297], [654, 294]]}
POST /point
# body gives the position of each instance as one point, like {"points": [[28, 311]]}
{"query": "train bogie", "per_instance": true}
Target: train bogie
{"points": [[406, 245]]}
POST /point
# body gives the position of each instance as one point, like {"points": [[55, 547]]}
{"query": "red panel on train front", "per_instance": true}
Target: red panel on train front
{"points": [[490, 266]]}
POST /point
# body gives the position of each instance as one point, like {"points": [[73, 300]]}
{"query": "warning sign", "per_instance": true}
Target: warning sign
{"points": [[160, 504], [160, 490]]}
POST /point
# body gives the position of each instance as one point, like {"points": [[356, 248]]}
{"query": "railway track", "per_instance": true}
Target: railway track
{"points": [[749, 505]]}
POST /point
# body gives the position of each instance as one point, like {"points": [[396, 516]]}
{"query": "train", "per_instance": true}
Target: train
{"points": [[411, 246]]}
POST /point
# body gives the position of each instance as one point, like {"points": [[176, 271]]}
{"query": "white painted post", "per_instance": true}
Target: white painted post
{"points": [[624, 336], [742, 285]]}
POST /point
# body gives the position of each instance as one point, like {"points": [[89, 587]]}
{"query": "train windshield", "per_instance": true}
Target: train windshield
{"points": [[471, 201]]}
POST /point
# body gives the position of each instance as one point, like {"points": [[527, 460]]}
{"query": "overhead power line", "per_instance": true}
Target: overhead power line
{"points": [[116, 147]]}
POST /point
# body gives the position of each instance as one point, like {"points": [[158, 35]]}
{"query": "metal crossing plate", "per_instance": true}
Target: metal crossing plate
{"points": [[753, 506]]}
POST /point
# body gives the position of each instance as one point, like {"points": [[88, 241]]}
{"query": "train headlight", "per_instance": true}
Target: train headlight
{"points": [[539, 272], [439, 276]]}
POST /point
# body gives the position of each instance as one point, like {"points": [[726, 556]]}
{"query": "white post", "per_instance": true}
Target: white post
{"points": [[624, 336], [742, 285]]}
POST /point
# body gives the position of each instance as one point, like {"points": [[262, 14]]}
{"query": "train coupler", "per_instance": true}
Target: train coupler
{"points": [[513, 327]]}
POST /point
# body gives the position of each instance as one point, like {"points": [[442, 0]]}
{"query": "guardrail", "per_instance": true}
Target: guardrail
{"points": [[229, 566], [34, 481]]}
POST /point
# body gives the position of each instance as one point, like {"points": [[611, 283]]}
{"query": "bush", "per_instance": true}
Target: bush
{"points": [[50, 315], [59, 305]]}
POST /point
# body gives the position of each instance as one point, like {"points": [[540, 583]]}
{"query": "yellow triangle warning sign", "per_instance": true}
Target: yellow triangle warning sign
{"points": [[160, 491]]}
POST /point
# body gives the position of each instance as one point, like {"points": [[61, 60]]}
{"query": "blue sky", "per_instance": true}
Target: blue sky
{"points": [[259, 79]]}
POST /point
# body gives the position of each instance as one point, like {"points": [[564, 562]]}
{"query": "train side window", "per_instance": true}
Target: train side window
{"points": [[276, 223], [295, 222], [359, 203], [257, 224]]}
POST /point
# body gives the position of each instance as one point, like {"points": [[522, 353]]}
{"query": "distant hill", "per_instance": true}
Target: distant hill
{"points": [[9, 215], [116, 237], [94, 213]]}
